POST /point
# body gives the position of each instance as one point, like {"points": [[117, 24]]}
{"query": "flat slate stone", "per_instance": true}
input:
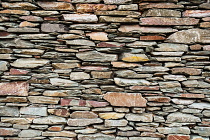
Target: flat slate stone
{"points": [[125, 99], [9, 111], [81, 18], [19, 6], [56, 5], [29, 63], [14, 89], [96, 137], [47, 27], [50, 120], [10, 132], [83, 122], [182, 118]]}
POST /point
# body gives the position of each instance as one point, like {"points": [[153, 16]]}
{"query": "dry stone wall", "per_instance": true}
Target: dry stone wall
{"points": [[104, 70]]}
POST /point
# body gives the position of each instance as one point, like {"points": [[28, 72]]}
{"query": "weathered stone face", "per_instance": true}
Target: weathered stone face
{"points": [[29, 63], [14, 88], [56, 6], [81, 18], [125, 99]]}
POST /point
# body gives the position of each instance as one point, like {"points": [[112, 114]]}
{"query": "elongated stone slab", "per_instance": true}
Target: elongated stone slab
{"points": [[81, 18], [83, 122], [125, 99], [50, 120], [19, 6], [196, 13], [144, 117], [87, 8], [9, 132], [62, 82], [56, 5], [181, 117], [96, 137], [14, 88], [29, 63], [129, 82]]}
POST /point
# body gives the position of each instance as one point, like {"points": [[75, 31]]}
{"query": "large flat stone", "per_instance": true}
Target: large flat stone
{"points": [[81, 18], [83, 122], [174, 87], [81, 42], [182, 118], [117, 1], [130, 82], [47, 27], [29, 63], [128, 57], [9, 132], [190, 36], [14, 88], [117, 19], [19, 6], [9, 111], [62, 82], [59, 134], [50, 120], [151, 69], [40, 111], [96, 56], [114, 123], [162, 13], [43, 100], [96, 137], [171, 47], [144, 117], [125, 99], [186, 71], [56, 5], [83, 115], [196, 13], [29, 133], [173, 130], [88, 8], [3, 65]]}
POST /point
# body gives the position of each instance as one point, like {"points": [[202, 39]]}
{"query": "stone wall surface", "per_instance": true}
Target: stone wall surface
{"points": [[104, 70]]}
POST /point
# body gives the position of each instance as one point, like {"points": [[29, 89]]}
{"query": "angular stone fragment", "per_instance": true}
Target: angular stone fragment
{"points": [[19, 6], [175, 77], [129, 7], [101, 36], [44, 13], [168, 21], [162, 13], [178, 137], [97, 27], [173, 87], [128, 57], [3, 66], [62, 82], [172, 59], [83, 122], [117, 19], [168, 53], [202, 131], [50, 120], [65, 65], [118, 13], [88, 8], [83, 115], [96, 56], [59, 134], [159, 99], [36, 36], [29, 51], [190, 36], [43, 100], [97, 136], [195, 137], [9, 111], [144, 117], [9, 132], [125, 99], [29, 63], [151, 69], [124, 65], [182, 101], [200, 105], [105, 75], [69, 36], [114, 123], [111, 115], [40, 111], [14, 88], [182, 118], [59, 112], [47, 27], [81, 18], [196, 13], [81, 42], [56, 5], [186, 71], [79, 76], [152, 38], [173, 130], [146, 5], [129, 82], [15, 12], [144, 87], [13, 99], [29, 133], [117, 1], [31, 18]]}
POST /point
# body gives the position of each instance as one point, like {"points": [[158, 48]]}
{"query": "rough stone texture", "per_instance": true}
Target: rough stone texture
{"points": [[83, 122], [181, 117], [56, 6], [54, 28], [134, 57], [40, 111], [145, 117], [49, 120], [81, 18], [14, 88], [9, 132], [186, 71], [9, 111], [29, 63], [29, 133]]}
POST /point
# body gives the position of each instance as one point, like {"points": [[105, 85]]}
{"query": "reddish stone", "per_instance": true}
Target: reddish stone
{"points": [[143, 6], [14, 88], [144, 88], [60, 112], [196, 13], [4, 33], [65, 102], [196, 47], [110, 44], [51, 18], [155, 37], [83, 115], [101, 36], [97, 104], [186, 71], [159, 99], [206, 19], [125, 99], [31, 18], [27, 24], [18, 72], [168, 21], [178, 137], [206, 48], [87, 8], [55, 128], [9, 132], [188, 95]]}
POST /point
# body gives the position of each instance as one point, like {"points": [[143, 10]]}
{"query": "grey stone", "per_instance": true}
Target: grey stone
{"points": [[23, 30], [62, 82], [9, 132], [29, 133], [14, 77], [29, 63], [79, 76], [117, 1], [128, 7], [162, 13], [81, 18], [96, 27], [171, 47], [202, 131], [206, 113], [182, 118], [96, 56], [195, 137], [9, 111], [141, 44], [50, 120], [191, 111], [85, 1], [151, 69], [173, 130], [36, 36], [81, 42], [131, 74], [47, 27], [130, 82], [83, 122], [43, 100], [40, 111], [175, 77], [144, 117], [97, 136], [3, 66], [115, 123], [173, 87], [143, 138], [190, 36], [125, 39], [200, 105]]}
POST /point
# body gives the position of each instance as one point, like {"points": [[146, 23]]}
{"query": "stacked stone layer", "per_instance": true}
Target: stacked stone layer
{"points": [[104, 70]]}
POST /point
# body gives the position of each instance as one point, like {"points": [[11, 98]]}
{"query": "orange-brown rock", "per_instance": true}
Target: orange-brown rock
{"points": [[101, 36], [188, 95], [155, 37], [144, 87], [196, 47], [15, 12], [27, 24], [14, 88], [18, 72], [178, 137], [9, 132], [186, 71], [59, 112], [205, 24], [159, 99], [88, 8], [125, 99]]}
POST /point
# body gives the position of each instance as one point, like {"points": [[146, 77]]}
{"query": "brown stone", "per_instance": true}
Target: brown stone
{"points": [[168, 21], [19, 6], [196, 47], [83, 115], [27, 24], [117, 19], [143, 6], [97, 68], [206, 48], [56, 6], [101, 36], [15, 12], [55, 128], [155, 37], [88, 103], [43, 100], [89, 8], [186, 71], [60, 134], [205, 24], [206, 19], [188, 95], [13, 99], [125, 99], [9, 132], [65, 65], [59, 112], [178, 137], [196, 13], [14, 88], [96, 74], [144, 88], [110, 44], [159, 99], [31, 18]]}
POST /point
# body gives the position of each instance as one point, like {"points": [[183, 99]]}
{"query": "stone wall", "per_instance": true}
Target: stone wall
{"points": [[104, 70]]}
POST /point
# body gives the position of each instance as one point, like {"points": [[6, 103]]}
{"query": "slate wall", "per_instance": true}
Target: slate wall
{"points": [[104, 70]]}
